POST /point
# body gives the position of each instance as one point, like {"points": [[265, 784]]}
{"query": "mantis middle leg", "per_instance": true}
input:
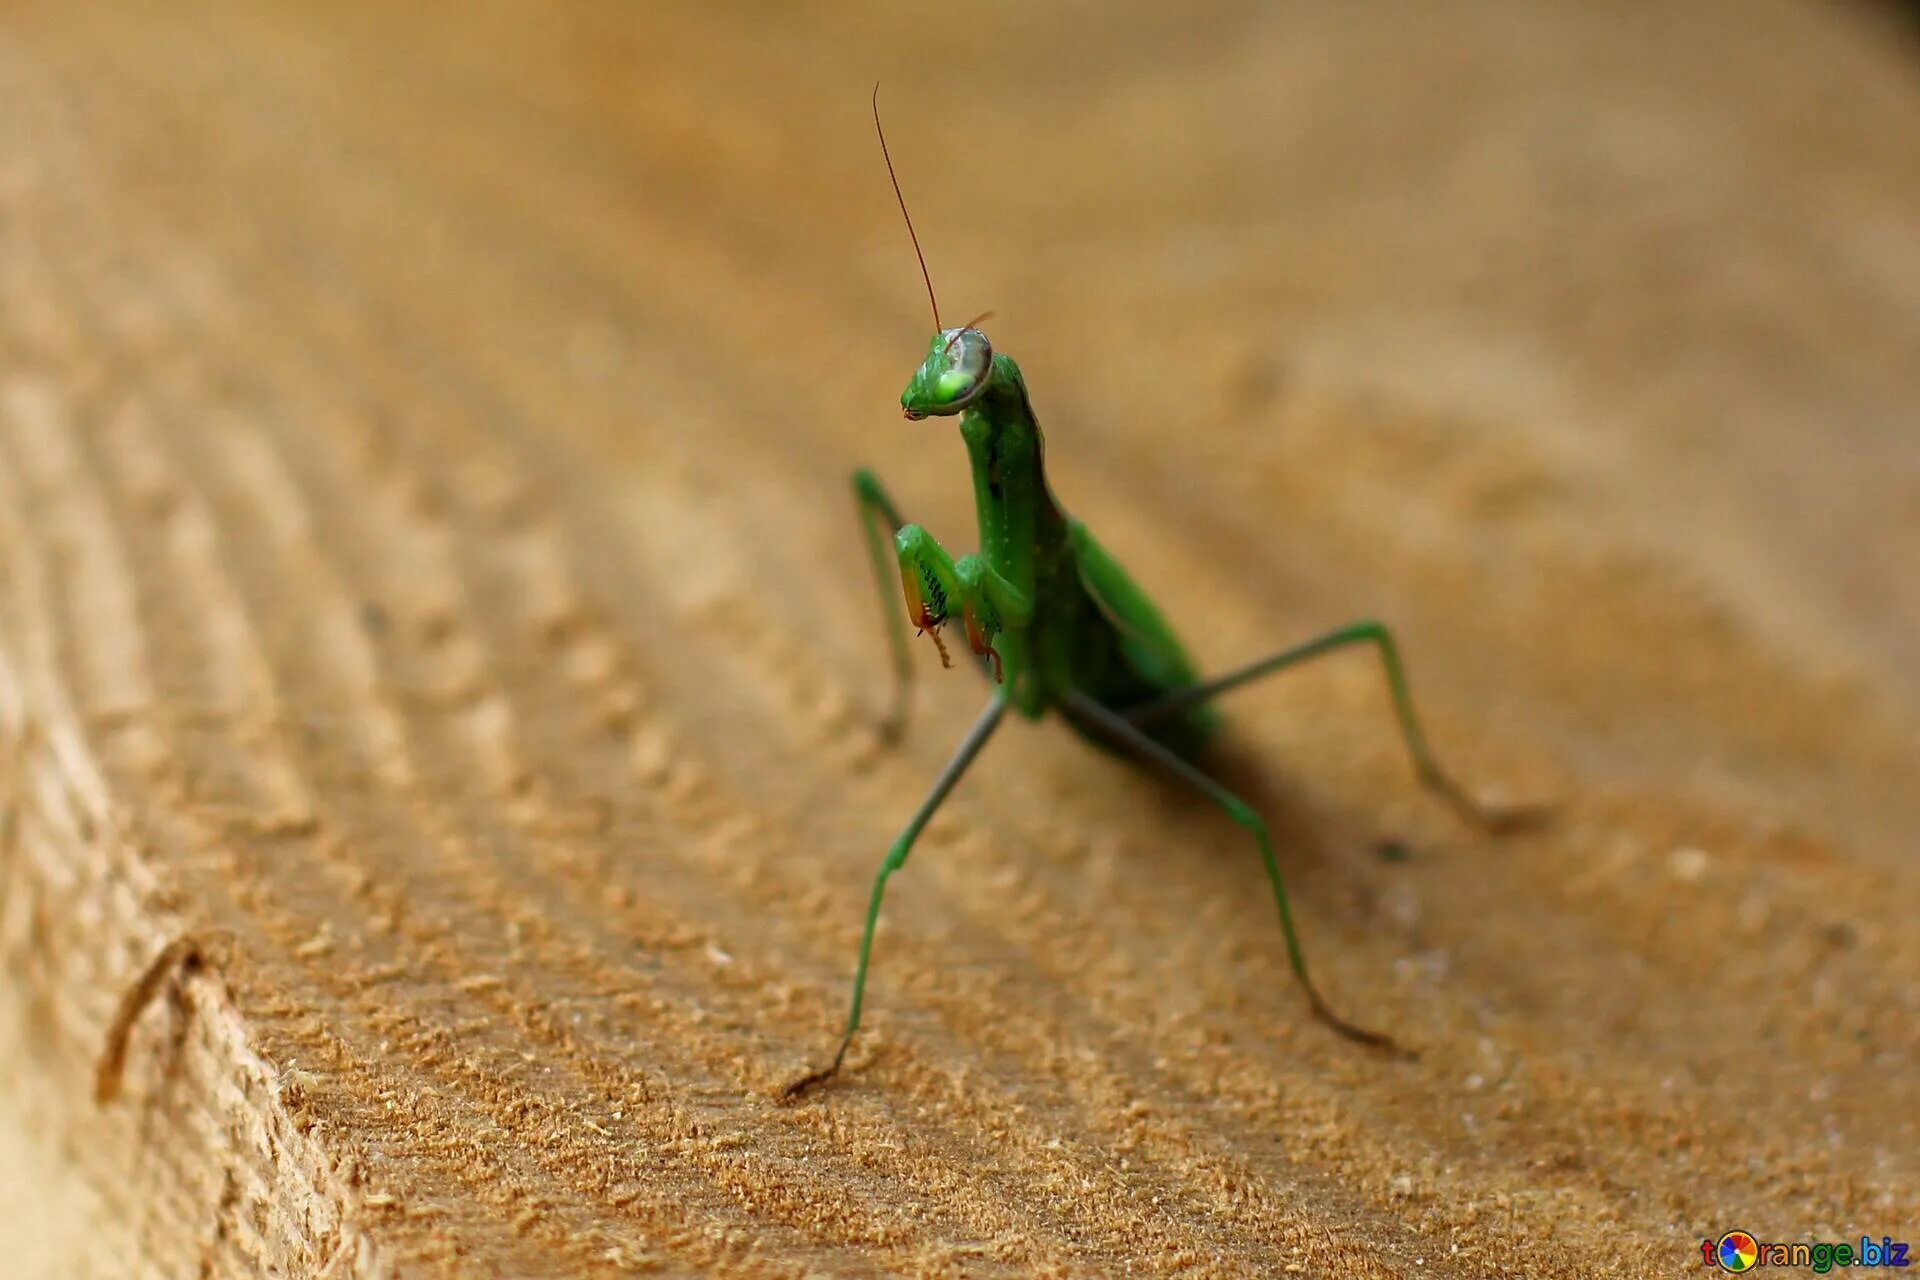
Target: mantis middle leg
{"points": [[896, 858]]}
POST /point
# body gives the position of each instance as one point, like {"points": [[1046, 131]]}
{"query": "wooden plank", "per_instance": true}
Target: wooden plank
{"points": [[437, 667]]}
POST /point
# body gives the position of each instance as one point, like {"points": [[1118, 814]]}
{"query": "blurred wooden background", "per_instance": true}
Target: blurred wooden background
{"points": [[431, 617]]}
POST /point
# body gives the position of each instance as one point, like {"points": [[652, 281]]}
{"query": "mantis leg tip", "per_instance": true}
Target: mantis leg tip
{"points": [[794, 1091], [1494, 819], [1506, 820], [798, 1088], [1379, 1041]]}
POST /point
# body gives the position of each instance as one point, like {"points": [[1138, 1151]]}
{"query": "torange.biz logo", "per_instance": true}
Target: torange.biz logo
{"points": [[1737, 1251]]}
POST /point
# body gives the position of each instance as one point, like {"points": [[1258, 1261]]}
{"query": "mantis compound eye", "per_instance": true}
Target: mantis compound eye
{"points": [[960, 368]]}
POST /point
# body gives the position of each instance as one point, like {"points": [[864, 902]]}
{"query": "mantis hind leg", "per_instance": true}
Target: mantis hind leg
{"points": [[1367, 631], [896, 858], [1114, 727], [876, 508]]}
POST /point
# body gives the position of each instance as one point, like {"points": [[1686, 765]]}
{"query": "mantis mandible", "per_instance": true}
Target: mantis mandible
{"points": [[1058, 625]]}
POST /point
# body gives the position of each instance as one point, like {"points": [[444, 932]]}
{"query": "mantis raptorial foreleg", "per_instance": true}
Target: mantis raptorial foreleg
{"points": [[937, 587]]}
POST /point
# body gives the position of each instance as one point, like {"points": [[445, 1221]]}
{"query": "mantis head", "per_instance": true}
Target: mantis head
{"points": [[959, 363], [958, 367]]}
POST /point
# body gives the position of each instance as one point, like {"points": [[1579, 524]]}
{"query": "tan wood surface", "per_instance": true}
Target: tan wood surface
{"points": [[432, 626]]}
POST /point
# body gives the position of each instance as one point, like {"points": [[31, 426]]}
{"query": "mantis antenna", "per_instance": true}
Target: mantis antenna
{"points": [[894, 178], [971, 324]]}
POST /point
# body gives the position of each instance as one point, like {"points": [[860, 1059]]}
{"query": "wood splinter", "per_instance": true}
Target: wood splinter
{"points": [[184, 956]]}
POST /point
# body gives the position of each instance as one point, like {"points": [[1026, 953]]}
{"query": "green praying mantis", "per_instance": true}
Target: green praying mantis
{"points": [[1057, 625]]}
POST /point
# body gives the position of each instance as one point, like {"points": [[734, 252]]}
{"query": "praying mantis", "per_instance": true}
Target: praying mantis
{"points": [[1058, 625]]}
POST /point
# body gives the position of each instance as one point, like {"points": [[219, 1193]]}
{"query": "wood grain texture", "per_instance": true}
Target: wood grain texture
{"points": [[432, 622]]}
